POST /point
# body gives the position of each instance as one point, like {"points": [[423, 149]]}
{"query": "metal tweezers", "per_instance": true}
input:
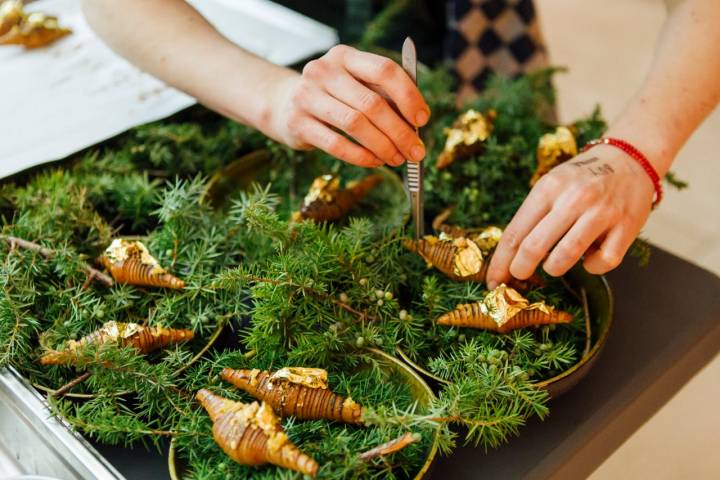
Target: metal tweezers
{"points": [[414, 177]]}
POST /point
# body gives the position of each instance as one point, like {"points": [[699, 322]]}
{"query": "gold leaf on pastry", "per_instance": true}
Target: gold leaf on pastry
{"points": [[554, 149], [465, 137]]}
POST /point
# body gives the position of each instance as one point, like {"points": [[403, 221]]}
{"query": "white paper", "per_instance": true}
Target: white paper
{"points": [[58, 100]]}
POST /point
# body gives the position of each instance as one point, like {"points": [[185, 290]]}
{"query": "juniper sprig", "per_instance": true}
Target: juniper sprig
{"points": [[263, 291]]}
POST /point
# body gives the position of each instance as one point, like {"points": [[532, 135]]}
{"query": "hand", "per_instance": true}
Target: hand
{"points": [[353, 92], [593, 205]]}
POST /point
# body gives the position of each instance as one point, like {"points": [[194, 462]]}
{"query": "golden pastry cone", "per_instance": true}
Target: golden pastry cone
{"points": [[134, 272], [442, 254], [251, 434], [35, 38], [130, 262], [452, 230], [466, 137], [144, 339], [296, 399], [338, 203], [34, 31], [472, 315], [11, 14], [552, 150]]}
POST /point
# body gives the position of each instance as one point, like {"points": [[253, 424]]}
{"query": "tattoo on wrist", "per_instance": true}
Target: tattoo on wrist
{"points": [[597, 171], [601, 170], [587, 161]]}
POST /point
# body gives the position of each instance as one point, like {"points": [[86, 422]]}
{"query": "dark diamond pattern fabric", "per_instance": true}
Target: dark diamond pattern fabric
{"points": [[493, 36], [492, 8], [522, 48], [457, 44], [463, 8], [526, 10], [489, 41]]}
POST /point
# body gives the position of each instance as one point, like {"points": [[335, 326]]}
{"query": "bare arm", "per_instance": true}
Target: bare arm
{"points": [[682, 86], [344, 90], [578, 210]]}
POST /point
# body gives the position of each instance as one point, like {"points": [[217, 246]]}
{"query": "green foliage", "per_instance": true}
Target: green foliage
{"points": [[489, 395], [130, 398], [674, 181], [17, 323], [335, 446], [490, 186], [640, 250], [321, 293], [285, 293], [589, 128], [378, 26], [189, 148]]}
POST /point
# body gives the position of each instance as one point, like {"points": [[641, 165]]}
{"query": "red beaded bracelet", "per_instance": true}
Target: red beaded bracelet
{"points": [[638, 156]]}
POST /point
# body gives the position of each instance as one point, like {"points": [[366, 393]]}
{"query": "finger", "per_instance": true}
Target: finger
{"points": [[533, 209], [611, 251], [540, 240], [323, 137], [329, 110], [381, 71], [376, 108], [574, 244]]}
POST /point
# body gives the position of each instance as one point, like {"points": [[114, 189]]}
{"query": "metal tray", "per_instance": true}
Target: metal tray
{"points": [[33, 442]]}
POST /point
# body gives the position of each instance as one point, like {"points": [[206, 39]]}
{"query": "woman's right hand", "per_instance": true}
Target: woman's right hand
{"points": [[366, 96]]}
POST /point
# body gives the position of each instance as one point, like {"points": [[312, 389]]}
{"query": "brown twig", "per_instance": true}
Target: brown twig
{"points": [[93, 274], [357, 313], [569, 287], [81, 396], [586, 312], [110, 366], [390, 447], [72, 383], [76, 422], [439, 221]]}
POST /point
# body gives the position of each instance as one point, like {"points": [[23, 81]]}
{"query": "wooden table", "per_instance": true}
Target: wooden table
{"points": [[667, 327]]}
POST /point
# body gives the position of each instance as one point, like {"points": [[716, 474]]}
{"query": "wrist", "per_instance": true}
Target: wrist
{"points": [[653, 138], [634, 161], [259, 99], [659, 155], [273, 98]]}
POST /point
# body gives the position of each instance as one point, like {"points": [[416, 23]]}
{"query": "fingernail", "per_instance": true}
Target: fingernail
{"points": [[492, 284], [398, 159], [421, 118], [417, 152]]}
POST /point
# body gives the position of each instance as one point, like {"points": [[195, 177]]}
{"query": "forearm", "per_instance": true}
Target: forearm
{"points": [[185, 51], [682, 87]]}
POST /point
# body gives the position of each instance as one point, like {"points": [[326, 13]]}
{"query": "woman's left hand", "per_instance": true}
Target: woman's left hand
{"points": [[593, 205]]}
